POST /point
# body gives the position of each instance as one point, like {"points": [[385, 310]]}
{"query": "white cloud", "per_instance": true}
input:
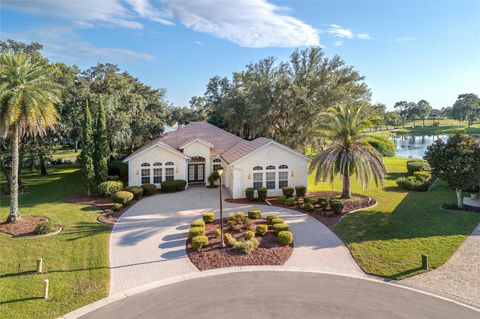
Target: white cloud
{"points": [[199, 42], [340, 32], [363, 36], [339, 43], [405, 39], [146, 10]]}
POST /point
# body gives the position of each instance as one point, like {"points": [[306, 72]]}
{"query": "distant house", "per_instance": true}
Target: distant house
{"points": [[195, 150]]}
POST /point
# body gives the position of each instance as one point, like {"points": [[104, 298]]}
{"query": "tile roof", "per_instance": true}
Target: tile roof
{"points": [[244, 148]]}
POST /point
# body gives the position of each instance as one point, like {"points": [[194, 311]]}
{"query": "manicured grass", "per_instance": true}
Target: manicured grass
{"points": [[64, 154], [388, 240], [76, 260]]}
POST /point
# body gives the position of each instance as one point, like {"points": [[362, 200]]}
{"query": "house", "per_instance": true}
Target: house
{"points": [[195, 150]]}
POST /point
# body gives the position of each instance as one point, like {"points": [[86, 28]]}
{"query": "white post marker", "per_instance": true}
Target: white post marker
{"points": [[39, 263], [45, 289]]}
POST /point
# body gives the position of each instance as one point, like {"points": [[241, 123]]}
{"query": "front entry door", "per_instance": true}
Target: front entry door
{"points": [[196, 173]]}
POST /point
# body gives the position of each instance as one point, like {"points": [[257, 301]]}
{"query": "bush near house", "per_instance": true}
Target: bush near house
{"points": [[262, 194], [174, 186], [198, 242], [208, 217], [122, 197], [288, 191], [336, 205], [290, 201], [250, 193], [212, 178], [300, 191], [308, 207], [255, 214], [149, 189], [109, 187], [281, 199], [137, 191], [285, 237], [417, 165], [323, 203]]}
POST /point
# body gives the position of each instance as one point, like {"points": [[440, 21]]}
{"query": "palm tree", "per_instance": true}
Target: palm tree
{"points": [[27, 107], [349, 151]]}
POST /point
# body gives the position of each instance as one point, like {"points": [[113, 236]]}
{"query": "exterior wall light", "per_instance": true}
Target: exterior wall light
{"points": [[292, 174]]}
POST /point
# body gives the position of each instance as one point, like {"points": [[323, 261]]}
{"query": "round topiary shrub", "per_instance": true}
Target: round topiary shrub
{"points": [[288, 191], [280, 227], [262, 194], [250, 193], [218, 233], [336, 205], [255, 214], [198, 242], [149, 189], [228, 238], [300, 191], [422, 175], [261, 229], [198, 223], [417, 165], [44, 228], [277, 221], [116, 207], [323, 203], [122, 197], [290, 201], [196, 231], [308, 207], [137, 191], [249, 234], [109, 187], [285, 237], [208, 217], [212, 178], [271, 217]]}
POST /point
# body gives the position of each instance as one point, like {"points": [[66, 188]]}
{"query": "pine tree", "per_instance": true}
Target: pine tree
{"points": [[87, 150], [101, 146]]}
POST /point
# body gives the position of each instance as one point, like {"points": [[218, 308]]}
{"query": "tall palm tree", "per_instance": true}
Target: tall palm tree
{"points": [[349, 152], [27, 107]]}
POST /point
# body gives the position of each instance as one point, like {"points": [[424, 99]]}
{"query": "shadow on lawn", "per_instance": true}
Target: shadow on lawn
{"points": [[19, 300], [87, 229]]}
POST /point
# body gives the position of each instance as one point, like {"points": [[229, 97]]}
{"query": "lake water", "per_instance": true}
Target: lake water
{"points": [[414, 146]]}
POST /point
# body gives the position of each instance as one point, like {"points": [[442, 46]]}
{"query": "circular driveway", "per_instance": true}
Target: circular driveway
{"points": [[282, 295]]}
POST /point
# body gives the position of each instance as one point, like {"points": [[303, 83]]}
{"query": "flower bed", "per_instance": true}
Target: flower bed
{"points": [[29, 227], [269, 251]]}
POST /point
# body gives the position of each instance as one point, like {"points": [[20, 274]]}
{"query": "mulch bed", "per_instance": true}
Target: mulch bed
{"points": [[25, 227], [269, 252]]}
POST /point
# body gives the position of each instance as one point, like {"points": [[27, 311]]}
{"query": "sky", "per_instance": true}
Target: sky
{"points": [[407, 50]]}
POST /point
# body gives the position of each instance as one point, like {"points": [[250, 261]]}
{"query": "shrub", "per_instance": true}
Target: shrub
{"points": [[122, 197], [280, 227], [250, 193], [417, 165], [290, 201], [118, 168], [411, 183], [261, 229], [277, 221], [288, 191], [199, 241], [262, 194], [323, 203], [137, 191], [249, 234], [109, 187], [208, 217], [196, 231], [300, 191], [149, 189], [212, 178], [246, 245], [116, 207], [254, 214], [308, 207], [44, 228], [285, 237], [218, 233], [281, 199], [271, 217], [238, 217], [308, 200], [385, 148], [336, 205], [173, 186], [422, 175], [228, 238], [113, 178], [198, 223]]}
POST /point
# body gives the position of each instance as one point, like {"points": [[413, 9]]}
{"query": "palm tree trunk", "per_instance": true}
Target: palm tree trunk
{"points": [[458, 191], [346, 186], [14, 215]]}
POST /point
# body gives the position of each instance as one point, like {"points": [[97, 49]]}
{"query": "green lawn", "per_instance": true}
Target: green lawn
{"points": [[64, 154], [76, 260], [388, 240]]}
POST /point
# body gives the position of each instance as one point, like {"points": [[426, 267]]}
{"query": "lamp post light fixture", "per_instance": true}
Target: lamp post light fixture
{"points": [[220, 174]]}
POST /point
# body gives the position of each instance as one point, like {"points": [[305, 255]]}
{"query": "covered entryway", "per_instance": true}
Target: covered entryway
{"points": [[196, 170]]}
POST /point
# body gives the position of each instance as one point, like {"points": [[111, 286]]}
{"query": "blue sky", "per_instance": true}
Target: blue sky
{"points": [[408, 50]]}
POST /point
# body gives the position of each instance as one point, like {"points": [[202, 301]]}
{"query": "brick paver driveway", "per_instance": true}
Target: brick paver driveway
{"points": [[147, 243]]}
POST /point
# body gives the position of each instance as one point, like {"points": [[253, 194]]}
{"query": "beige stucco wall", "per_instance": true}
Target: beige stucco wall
{"points": [[156, 154], [270, 155], [199, 149]]}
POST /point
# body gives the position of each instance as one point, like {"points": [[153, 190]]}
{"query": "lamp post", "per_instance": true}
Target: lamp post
{"points": [[220, 173]]}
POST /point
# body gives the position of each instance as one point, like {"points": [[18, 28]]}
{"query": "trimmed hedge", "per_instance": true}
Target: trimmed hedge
{"points": [[323, 203], [290, 201], [255, 214], [208, 217], [271, 217], [249, 234], [116, 207], [281, 199], [218, 233], [149, 189], [386, 148], [288, 191], [300, 191], [122, 197], [261, 229], [228, 238], [250, 193], [285, 237], [196, 231], [277, 221], [336, 205], [109, 187], [308, 207], [174, 186], [262, 194], [280, 227], [417, 165], [413, 183], [422, 175], [197, 223], [44, 228], [137, 191], [198, 242]]}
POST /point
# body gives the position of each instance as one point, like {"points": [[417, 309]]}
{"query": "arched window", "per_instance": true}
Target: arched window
{"points": [[216, 164], [283, 167], [257, 168], [217, 160], [145, 165], [157, 164], [270, 167], [197, 159], [169, 164]]}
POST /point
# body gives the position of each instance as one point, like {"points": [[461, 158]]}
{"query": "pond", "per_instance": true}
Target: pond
{"points": [[414, 146]]}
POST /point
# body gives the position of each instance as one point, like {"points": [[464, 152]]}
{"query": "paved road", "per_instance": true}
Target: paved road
{"points": [[281, 295], [147, 243]]}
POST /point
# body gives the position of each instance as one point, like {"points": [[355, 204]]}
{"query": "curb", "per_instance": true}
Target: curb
{"points": [[230, 270]]}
